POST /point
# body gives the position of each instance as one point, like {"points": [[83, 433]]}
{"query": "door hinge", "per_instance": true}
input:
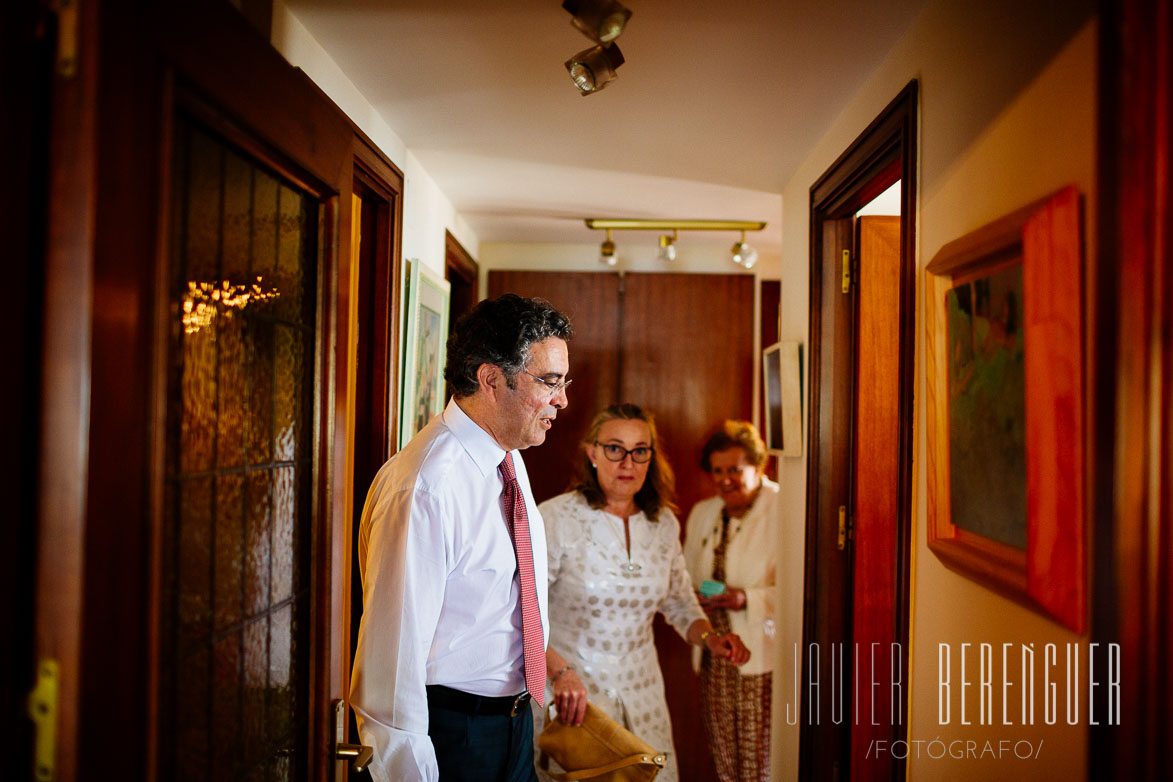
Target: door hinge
{"points": [[845, 286], [43, 711], [846, 528]]}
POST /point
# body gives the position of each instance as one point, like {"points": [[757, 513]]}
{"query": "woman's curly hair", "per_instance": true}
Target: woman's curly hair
{"points": [[740, 434]]}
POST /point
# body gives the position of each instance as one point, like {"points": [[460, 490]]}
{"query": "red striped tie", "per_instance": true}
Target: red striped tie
{"points": [[531, 618]]}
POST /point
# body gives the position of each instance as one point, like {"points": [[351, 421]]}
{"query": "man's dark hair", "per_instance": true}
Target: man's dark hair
{"points": [[499, 331]]}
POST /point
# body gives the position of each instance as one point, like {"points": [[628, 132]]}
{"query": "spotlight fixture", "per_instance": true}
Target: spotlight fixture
{"points": [[667, 251], [600, 20], [593, 69], [607, 251], [744, 254]]}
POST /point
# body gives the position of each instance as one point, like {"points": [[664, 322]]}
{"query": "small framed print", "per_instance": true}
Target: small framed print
{"points": [[423, 355], [782, 386]]}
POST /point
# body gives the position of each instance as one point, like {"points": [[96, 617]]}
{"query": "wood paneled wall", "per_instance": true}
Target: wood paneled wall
{"points": [[687, 354]]}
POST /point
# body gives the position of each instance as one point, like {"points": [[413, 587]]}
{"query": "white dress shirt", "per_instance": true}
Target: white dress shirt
{"points": [[440, 589]]}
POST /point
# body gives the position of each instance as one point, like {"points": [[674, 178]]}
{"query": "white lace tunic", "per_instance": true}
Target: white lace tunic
{"points": [[602, 605]]}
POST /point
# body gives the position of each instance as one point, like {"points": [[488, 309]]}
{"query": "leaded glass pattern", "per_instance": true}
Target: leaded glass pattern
{"points": [[239, 469]]}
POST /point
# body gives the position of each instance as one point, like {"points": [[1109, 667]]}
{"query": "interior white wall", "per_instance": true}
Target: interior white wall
{"points": [[1007, 115], [427, 212]]}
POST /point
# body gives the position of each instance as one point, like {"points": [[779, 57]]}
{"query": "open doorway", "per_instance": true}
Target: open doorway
{"points": [[860, 456], [462, 273]]}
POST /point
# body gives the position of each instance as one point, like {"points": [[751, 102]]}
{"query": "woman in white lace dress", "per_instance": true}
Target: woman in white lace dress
{"points": [[614, 562]]}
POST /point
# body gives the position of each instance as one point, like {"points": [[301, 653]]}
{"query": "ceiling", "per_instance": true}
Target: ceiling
{"points": [[714, 109]]}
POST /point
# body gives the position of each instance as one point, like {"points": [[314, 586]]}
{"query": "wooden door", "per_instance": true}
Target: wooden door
{"points": [[686, 353], [857, 575], [875, 530], [591, 302], [827, 629], [209, 512]]}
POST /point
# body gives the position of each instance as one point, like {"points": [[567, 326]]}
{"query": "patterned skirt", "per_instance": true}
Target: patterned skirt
{"points": [[736, 712]]}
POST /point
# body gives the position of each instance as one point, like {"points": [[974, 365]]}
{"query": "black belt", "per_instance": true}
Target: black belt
{"points": [[465, 702]]}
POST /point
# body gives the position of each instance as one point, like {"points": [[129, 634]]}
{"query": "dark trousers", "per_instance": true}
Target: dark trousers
{"points": [[482, 747]]}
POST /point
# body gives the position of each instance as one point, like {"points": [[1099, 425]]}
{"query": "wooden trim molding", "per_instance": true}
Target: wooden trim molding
{"points": [[458, 261], [66, 370]]}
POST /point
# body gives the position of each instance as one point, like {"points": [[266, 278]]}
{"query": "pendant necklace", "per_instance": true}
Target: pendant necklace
{"points": [[629, 566]]}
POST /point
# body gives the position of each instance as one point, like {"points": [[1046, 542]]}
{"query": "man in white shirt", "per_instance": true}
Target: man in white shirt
{"points": [[450, 615]]}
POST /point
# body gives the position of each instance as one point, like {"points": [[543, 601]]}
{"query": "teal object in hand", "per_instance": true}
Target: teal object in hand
{"points": [[710, 587]]}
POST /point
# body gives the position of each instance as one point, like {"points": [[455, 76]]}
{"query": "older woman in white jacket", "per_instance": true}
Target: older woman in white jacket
{"points": [[730, 543]]}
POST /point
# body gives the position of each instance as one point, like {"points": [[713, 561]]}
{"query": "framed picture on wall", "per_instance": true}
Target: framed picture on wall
{"points": [[782, 387], [1004, 358], [423, 350]]}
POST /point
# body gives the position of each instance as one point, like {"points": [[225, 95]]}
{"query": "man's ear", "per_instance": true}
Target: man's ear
{"points": [[490, 379]]}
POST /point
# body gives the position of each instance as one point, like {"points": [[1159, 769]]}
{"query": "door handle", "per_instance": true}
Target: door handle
{"points": [[359, 755]]}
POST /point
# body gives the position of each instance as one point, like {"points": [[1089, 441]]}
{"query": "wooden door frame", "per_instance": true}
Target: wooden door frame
{"points": [[376, 174], [1131, 508], [63, 456], [884, 152], [458, 262]]}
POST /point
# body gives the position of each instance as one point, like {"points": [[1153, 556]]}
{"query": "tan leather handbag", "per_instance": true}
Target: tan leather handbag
{"points": [[600, 749]]}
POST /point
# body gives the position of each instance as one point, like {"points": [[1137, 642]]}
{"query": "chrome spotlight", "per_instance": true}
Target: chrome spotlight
{"points": [[667, 251], [594, 68], [607, 251], [600, 20], [744, 254]]}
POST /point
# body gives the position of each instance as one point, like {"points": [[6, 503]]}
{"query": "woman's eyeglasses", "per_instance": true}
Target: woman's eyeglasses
{"points": [[617, 453]]}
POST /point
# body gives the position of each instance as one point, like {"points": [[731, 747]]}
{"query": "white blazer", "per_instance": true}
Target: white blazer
{"points": [[750, 561]]}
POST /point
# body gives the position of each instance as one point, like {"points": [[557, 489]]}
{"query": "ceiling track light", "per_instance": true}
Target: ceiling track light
{"points": [[593, 69], [667, 250], [607, 251], [744, 254], [600, 20]]}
